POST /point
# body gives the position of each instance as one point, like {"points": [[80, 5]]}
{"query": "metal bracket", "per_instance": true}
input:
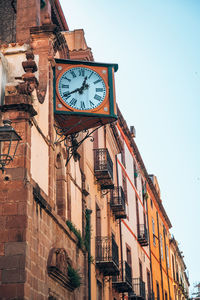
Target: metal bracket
{"points": [[104, 192], [70, 141]]}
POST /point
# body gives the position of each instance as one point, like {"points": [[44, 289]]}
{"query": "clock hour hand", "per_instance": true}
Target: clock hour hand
{"points": [[84, 86], [84, 81]]}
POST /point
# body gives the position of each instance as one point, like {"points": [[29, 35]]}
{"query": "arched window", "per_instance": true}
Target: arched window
{"points": [[60, 187]]}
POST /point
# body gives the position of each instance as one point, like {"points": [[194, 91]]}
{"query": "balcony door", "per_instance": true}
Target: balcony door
{"points": [[98, 221]]}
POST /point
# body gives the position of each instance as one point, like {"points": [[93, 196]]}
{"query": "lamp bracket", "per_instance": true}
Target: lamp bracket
{"points": [[71, 141]]}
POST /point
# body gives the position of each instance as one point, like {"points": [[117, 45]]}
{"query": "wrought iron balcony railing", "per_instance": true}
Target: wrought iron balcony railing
{"points": [[103, 168], [123, 282], [107, 257], [143, 235], [150, 296], [138, 289], [117, 202]]}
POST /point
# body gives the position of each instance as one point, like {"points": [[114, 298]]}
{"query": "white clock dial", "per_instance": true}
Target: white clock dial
{"points": [[82, 88]]}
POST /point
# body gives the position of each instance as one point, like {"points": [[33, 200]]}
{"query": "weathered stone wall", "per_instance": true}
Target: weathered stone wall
{"points": [[46, 230], [8, 21]]}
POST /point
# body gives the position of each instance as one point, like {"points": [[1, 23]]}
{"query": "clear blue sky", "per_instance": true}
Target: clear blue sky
{"points": [[157, 46]]}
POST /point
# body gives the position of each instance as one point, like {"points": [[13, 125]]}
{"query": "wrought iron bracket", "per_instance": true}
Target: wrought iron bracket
{"points": [[70, 141], [104, 192]]}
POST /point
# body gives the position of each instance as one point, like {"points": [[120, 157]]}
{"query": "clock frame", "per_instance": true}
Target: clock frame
{"points": [[73, 120]]}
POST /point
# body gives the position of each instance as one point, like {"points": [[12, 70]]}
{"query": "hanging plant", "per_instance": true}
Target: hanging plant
{"points": [[74, 277], [77, 233]]}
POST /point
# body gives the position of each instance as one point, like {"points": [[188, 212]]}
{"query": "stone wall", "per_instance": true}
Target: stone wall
{"points": [[8, 21]]}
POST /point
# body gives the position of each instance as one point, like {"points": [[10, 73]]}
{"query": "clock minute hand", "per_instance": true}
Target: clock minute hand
{"points": [[69, 93]]}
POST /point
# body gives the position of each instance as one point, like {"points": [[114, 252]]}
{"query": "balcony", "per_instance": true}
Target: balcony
{"points": [[107, 258], [117, 203], [138, 289], [143, 235], [123, 282], [103, 168], [151, 296]]}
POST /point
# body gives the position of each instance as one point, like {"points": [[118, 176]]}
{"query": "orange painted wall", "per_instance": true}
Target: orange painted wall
{"points": [[160, 271]]}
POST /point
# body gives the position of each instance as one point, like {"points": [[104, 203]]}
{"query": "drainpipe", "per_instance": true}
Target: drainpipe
{"points": [[160, 256], [166, 262], [120, 229], [121, 249], [88, 213]]}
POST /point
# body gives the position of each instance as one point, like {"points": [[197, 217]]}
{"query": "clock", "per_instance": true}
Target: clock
{"points": [[84, 94], [82, 88]]}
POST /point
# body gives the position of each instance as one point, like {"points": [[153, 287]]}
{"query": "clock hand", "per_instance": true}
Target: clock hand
{"points": [[80, 90], [84, 81], [69, 93], [84, 86]]}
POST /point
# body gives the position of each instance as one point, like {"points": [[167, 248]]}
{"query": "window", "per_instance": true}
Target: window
{"points": [[143, 192], [123, 155], [96, 140], [148, 284], [137, 217], [124, 186], [153, 230], [167, 254], [161, 245], [60, 187], [151, 203], [173, 267], [166, 296], [158, 291], [128, 255], [135, 174], [98, 221], [140, 269]]}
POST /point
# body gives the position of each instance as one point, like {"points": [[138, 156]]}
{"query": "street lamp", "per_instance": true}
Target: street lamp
{"points": [[9, 140]]}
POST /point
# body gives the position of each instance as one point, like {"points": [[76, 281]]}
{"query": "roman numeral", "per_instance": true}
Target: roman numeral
{"points": [[82, 105], [82, 72], [67, 78], [97, 97], [99, 90], [99, 80], [73, 74], [65, 86], [91, 104], [73, 102], [66, 96], [90, 75]]}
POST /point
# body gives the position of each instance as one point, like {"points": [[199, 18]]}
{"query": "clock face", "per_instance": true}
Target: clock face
{"points": [[82, 88]]}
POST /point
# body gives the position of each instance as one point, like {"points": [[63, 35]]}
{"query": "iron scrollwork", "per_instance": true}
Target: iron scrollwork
{"points": [[71, 141]]}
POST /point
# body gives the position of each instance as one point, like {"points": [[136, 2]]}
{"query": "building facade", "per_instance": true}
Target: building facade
{"points": [[89, 227], [180, 278]]}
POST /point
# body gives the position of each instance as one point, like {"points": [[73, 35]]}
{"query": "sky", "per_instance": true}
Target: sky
{"points": [[156, 44]]}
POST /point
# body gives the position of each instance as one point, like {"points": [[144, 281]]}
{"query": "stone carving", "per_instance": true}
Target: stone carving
{"points": [[57, 267], [30, 81]]}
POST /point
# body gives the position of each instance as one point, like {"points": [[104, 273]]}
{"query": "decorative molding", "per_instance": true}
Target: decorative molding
{"points": [[39, 199]]}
